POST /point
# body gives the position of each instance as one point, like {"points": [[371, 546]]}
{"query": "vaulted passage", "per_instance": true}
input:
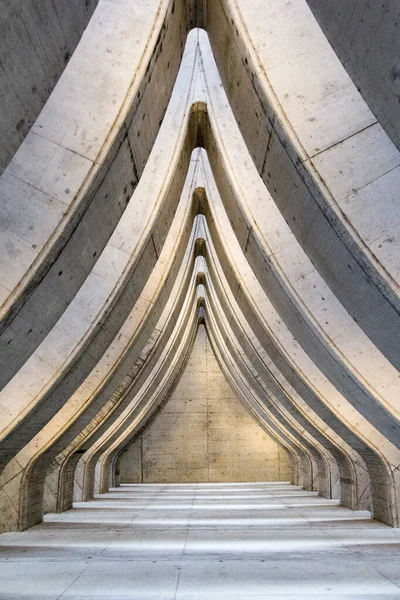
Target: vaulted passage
{"points": [[199, 293], [203, 433], [234, 541]]}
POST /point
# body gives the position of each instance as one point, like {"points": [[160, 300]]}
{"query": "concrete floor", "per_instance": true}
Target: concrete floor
{"points": [[214, 541]]}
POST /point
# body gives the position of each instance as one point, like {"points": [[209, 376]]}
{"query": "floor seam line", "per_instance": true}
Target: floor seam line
{"points": [[72, 582]]}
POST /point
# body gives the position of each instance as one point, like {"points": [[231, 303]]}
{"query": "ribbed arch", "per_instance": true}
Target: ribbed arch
{"points": [[199, 196]]}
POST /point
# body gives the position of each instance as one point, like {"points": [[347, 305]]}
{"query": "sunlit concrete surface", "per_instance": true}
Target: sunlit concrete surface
{"points": [[234, 541], [200, 165]]}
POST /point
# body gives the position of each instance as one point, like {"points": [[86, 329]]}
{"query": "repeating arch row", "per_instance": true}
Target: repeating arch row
{"points": [[206, 233]]}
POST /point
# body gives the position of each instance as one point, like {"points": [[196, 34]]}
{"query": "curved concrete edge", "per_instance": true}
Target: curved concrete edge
{"points": [[32, 462], [72, 178], [295, 287], [160, 383], [325, 401], [248, 241], [385, 451], [350, 28], [73, 347], [36, 43], [342, 254], [68, 471]]}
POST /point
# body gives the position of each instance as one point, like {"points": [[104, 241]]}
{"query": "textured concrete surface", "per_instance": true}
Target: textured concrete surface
{"points": [[219, 541], [366, 37], [66, 188], [36, 42], [95, 469], [234, 178], [300, 109], [112, 289], [203, 433]]}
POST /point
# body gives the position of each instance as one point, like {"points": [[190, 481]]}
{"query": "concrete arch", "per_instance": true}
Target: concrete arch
{"points": [[373, 71], [356, 386], [307, 195], [32, 463], [37, 41], [98, 162], [300, 301], [107, 458]]}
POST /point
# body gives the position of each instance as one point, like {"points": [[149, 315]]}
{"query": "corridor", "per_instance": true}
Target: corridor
{"points": [[192, 541]]}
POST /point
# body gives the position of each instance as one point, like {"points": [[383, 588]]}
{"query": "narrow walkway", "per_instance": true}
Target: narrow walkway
{"points": [[214, 541]]}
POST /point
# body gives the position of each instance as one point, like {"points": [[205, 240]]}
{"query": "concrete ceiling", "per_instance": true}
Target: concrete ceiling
{"points": [[200, 163]]}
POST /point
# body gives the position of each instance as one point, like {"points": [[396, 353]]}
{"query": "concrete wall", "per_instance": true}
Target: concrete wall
{"points": [[203, 433], [299, 289], [37, 40], [365, 35]]}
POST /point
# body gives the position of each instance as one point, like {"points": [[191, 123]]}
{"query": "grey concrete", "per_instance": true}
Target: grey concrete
{"points": [[366, 37], [105, 300], [279, 233], [36, 42], [203, 433], [298, 98], [126, 433], [220, 541], [79, 166]]}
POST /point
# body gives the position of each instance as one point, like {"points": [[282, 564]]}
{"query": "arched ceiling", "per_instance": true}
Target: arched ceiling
{"points": [[235, 195]]}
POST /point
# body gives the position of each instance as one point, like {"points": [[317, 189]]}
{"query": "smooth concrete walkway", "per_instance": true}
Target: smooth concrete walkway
{"points": [[214, 541]]}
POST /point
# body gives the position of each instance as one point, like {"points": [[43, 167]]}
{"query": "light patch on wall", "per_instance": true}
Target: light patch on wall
{"points": [[204, 434]]}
